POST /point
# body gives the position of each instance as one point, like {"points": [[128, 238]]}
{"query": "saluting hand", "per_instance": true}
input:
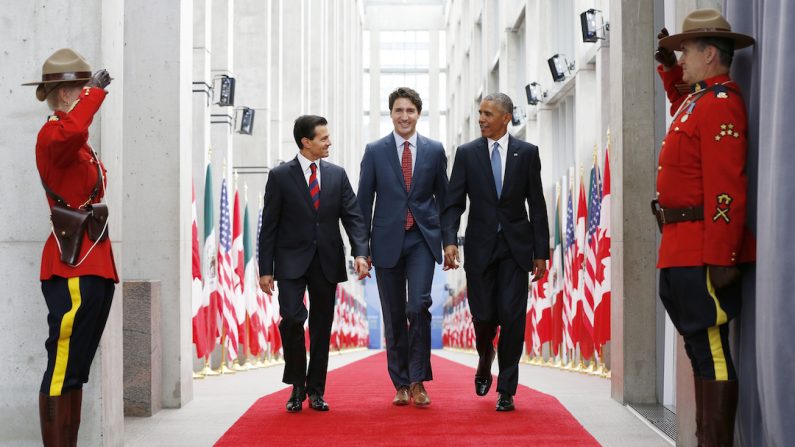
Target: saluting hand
{"points": [[663, 55], [100, 79]]}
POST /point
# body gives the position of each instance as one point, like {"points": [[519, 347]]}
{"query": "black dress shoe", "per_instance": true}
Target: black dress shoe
{"points": [[316, 402], [296, 400], [505, 402], [483, 377]]}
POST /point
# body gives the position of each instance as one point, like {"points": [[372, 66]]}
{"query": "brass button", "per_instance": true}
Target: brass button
{"points": [[658, 194], [659, 168], [676, 129]]}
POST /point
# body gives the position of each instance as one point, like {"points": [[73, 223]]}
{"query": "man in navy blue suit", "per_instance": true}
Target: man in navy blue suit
{"points": [[406, 175], [507, 237]]}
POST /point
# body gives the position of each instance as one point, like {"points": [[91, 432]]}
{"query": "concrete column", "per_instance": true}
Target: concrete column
{"points": [[252, 38], [291, 67], [157, 172], [222, 118], [633, 252], [433, 86], [375, 85], [95, 30]]}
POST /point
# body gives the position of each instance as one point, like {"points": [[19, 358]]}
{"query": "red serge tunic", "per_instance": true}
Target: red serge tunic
{"points": [[702, 163], [65, 163]]}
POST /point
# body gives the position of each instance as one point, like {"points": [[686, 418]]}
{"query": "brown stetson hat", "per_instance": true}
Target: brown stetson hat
{"points": [[706, 23], [65, 65]]}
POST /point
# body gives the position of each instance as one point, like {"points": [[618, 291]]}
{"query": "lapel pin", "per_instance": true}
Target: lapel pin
{"points": [[515, 154]]}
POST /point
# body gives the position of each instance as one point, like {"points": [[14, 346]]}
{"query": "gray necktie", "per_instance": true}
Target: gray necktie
{"points": [[496, 168]]}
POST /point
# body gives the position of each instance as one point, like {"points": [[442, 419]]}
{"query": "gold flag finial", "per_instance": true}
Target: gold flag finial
{"points": [[245, 191], [210, 153], [236, 176], [223, 168]]}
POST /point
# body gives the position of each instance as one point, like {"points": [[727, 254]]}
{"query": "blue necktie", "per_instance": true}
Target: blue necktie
{"points": [[496, 168]]}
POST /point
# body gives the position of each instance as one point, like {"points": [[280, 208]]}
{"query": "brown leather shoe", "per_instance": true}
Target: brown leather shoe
{"points": [[401, 397], [419, 395]]}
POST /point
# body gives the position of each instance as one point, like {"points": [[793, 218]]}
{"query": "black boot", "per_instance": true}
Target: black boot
{"points": [[75, 403], [718, 410], [295, 403], [484, 343]]}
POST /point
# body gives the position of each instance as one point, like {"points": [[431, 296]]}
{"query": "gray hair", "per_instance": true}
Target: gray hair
{"points": [[502, 100]]}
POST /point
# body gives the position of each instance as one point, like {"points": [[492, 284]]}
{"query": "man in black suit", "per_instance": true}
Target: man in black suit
{"points": [[503, 242], [300, 246]]}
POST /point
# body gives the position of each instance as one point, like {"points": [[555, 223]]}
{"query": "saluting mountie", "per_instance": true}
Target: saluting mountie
{"points": [[78, 274], [700, 209]]}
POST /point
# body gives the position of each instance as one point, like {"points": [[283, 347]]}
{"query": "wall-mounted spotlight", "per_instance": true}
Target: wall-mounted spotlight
{"points": [[518, 115], [245, 120], [590, 29], [225, 86], [535, 93], [559, 66]]}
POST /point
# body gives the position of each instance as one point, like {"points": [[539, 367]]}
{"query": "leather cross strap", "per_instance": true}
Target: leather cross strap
{"points": [[58, 199], [674, 215]]}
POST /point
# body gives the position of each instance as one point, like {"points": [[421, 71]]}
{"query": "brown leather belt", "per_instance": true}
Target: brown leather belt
{"points": [[673, 215]]}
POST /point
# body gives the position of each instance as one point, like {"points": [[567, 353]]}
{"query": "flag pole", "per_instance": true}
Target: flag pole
{"points": [[223, 369]]}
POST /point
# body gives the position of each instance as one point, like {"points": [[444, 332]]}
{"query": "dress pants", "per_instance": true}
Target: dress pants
{"points": [[498, 297], [701, 315], [78, 310], [405, 293], [294, 314]]}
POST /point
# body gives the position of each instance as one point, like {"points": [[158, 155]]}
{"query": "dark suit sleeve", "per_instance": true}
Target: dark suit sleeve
{"points": [[366, 192], [352, 219], [538, 208], [455, 201], [441, 182], [271, 213]]}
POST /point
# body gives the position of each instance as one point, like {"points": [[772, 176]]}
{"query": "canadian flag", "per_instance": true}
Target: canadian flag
{"points": [[602, 295]]}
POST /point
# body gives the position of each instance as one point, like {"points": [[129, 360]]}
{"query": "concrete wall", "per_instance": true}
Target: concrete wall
{"points": [[30, 32]]}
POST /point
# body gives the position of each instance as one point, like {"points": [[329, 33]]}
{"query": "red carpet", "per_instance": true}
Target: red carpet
{"points": [[360, 396]]}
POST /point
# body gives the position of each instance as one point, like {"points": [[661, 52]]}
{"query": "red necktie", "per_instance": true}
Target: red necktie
{"points": [[314, 186], [405, 163]]}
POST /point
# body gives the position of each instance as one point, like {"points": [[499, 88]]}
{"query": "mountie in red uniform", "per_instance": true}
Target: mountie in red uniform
{"points": [[702, 166], [67, 166]]}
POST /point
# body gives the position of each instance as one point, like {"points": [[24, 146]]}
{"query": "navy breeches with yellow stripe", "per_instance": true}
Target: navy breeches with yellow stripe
{"points": [[78, 310], [701, 315]]}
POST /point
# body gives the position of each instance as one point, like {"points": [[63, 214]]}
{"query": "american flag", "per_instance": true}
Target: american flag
{"points": [[594, 210], [578, 322], [602, 282], [225, 276], [570, 282]]}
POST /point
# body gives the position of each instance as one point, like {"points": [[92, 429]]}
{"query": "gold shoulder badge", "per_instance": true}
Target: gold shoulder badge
{"points": [[727, 130], [722, 95], [53, 118], [86, 90]]}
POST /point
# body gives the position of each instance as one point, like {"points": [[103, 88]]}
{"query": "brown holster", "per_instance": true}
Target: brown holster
{"points": [[97, 230], [68, 225]]}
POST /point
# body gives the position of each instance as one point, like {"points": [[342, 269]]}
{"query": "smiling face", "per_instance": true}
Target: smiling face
{"points": [[404, 117], [493, 120], [317, 147]]}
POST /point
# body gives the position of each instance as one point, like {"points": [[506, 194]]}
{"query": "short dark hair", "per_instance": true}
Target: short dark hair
{"points": [[405, 92], [502, 100], [724, 46], [305, 127]]}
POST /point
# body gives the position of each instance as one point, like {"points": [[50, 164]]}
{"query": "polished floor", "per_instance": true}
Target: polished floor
{"points": [[219, 401]]}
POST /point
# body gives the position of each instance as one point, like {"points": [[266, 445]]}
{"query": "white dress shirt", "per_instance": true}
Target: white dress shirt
{"points": [[412, 148], [503, 154], [305, 162]]}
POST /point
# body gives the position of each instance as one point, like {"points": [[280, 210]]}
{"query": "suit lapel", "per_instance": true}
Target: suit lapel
{"points": [[298, 176], [510, 164], [482, 153], [421, 155], [390, 151], [325, 181]]}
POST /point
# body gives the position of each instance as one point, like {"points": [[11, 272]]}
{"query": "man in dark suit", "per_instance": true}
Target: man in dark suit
{"points": [[407, 173], [503, 242], [300, 246]]}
